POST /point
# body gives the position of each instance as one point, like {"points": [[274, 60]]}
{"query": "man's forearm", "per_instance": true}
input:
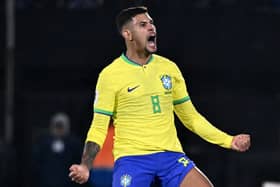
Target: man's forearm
{"points": [[90, 151], [195, 122]]}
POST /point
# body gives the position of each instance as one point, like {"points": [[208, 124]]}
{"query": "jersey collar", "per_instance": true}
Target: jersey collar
{"points": [[127, 60]]}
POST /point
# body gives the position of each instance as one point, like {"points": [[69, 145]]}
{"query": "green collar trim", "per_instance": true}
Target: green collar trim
{"points": [[127, 60]]}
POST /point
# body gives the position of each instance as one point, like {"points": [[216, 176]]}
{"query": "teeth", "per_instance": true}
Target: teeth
{"points": [[152, 44]]}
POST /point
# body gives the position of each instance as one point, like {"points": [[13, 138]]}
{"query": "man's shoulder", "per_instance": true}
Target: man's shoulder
{"points": [[162, 58], [166, 61], [113, 66]]}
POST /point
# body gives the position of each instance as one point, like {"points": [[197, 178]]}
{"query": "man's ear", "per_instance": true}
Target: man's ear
{"points": [[127, 34]]}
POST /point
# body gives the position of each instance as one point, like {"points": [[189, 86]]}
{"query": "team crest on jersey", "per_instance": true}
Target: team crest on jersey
{"points": [[126, 180], [166, 81]]}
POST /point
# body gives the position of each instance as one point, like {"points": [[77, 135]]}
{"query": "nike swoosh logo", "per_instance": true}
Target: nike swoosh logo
{"points": [[131, 89]]}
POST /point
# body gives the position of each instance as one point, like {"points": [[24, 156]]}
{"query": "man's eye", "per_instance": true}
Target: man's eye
{"points": [[142, 24]]}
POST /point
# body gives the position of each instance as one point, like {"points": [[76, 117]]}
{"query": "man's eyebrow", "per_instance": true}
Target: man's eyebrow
{"points": [[147, 21]]}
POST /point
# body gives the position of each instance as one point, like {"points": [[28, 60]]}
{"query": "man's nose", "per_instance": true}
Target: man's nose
{"points": [[151, 27]]}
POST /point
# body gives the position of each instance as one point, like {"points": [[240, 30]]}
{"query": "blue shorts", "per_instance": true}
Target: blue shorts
{"points": [[169, 168]]}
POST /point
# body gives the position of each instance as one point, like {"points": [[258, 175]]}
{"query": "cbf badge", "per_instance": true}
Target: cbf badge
{"points": [[125, 180], [166, 81]]}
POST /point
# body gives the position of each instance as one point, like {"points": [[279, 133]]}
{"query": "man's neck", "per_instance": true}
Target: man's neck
{"points": [[139, 58]]}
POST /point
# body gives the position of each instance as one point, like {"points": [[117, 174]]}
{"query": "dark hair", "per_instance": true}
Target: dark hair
{"points": [[127, 14]]}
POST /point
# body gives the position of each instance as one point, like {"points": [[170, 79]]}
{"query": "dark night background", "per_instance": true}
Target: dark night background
{"points": [[228, 51]]}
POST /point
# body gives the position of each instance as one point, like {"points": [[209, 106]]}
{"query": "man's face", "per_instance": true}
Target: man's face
{"points": [[143, 33]]}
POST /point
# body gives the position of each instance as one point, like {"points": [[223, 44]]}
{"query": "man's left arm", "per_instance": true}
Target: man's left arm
{"points": [[195, 122]]}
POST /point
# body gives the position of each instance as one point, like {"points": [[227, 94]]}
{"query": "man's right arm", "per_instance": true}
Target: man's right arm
{"points": [[90, 151], [80, 173]]}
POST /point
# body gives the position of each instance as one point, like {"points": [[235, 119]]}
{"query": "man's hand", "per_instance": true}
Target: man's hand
{"points": [[79, 173], [241, 142]]}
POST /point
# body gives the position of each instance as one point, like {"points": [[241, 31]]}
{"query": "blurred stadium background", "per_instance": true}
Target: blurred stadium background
{"points": [[228, 51]]}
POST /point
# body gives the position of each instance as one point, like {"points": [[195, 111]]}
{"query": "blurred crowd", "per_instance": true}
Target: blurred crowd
{"points": [[65, 4], [94, 4], [8, 164], [80, 4], [53, 152]]}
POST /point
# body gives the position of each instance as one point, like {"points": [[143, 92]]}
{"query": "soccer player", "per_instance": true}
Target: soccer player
{"points": [[140, 91]]}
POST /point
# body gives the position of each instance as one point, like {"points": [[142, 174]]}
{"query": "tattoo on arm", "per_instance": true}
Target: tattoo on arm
{"points": [[90, 151]]}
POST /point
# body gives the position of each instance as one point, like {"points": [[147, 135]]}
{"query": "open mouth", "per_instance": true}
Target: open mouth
{"points": [[152, 41]]}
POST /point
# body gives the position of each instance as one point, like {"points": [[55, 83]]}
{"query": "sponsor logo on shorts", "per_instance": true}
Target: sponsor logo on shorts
{"points": [[183, 161], [125, 180]]}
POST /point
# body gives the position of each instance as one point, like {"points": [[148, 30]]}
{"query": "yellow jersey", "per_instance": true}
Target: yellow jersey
{"points": [[141, 100]]}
